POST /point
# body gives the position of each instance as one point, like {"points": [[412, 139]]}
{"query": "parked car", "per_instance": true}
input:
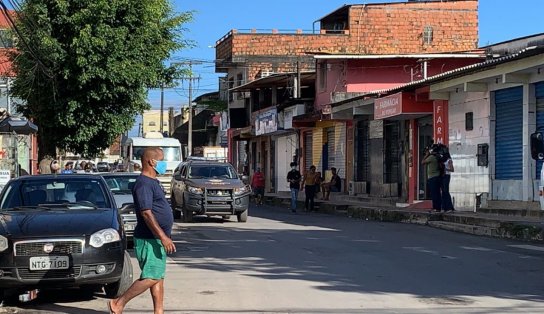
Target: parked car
{"points": [[208, 187], [61, 231], [120, 184], [103, 166]]}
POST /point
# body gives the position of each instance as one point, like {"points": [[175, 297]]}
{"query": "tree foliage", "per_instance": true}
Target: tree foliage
{"points": [[83, 67]]}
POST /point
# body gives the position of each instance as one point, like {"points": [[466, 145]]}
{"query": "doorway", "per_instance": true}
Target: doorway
{"points": [[425, 139]]}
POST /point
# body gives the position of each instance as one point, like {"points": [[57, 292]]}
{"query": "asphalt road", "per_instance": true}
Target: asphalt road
{"points": [[279, 262]]}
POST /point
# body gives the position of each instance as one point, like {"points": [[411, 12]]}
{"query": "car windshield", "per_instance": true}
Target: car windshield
{"points": [[121, 184], [60, 192], [212, 171], [170, 153]]}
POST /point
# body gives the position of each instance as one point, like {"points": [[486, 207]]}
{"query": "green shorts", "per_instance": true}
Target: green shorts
{"points": [[151, 256]]}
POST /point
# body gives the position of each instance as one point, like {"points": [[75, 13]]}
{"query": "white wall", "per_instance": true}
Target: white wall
{"points": [[285, 150], [469, 179]]}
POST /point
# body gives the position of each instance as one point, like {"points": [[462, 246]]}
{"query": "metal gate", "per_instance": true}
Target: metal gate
{"points": [[362, 161], [392, 152], [509, 134]]}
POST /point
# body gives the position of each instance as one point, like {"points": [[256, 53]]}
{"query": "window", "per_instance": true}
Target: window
{"points": [[152, 123], [427, 35]]}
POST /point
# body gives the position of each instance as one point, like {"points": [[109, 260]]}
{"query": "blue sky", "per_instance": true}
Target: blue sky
{"points": [[499, 20]]}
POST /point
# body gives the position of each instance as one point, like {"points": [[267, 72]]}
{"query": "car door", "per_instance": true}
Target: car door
{"points": [[177, 189]]}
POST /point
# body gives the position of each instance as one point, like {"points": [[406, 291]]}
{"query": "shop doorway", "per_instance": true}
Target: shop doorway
{"points": [[425, 139]]}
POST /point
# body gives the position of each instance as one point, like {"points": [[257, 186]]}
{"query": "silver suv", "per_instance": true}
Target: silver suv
{"points": [[208, 187]]}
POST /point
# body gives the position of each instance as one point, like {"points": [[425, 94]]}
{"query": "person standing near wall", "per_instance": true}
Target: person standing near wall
{"points": [[434, 180], [293, 177]]}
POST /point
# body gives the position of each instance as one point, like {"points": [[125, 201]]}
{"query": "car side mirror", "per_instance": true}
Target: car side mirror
{"points": [[177, 177], [127, 208], [245, 178]]}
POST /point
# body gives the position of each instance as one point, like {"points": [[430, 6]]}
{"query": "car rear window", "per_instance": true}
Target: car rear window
{"points": [[55, 191]]}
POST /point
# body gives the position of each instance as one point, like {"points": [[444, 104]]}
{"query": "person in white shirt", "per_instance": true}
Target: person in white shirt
{"points": [[447, 204]]}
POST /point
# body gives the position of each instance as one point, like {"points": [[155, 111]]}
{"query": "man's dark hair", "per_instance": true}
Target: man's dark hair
{"points": [[333, 169], [293, 164]]}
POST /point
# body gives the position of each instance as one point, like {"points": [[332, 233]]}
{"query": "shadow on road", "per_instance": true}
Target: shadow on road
{"points": [[343, 254]]}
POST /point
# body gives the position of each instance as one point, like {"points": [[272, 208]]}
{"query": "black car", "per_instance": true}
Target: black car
{"points": [[61, 231], [208, 187], [120, 184]]}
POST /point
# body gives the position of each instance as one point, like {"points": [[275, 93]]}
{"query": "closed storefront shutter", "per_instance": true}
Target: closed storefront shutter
{"points": [[317, 157], [331, 143], [539, 91], [308, 151], [340, 149], [509, 134]]}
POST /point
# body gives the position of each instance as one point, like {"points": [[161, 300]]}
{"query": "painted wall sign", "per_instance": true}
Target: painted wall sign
{"points": [[440, 122], [388, 106], [399, 105], [266, 122]]}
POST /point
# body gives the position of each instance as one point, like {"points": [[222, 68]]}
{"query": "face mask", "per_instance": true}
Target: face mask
{"points": [[160, 167], [293, 168]]}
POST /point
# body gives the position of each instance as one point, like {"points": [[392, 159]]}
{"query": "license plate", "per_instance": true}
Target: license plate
{"points": [[129, 227], [49, 262]]}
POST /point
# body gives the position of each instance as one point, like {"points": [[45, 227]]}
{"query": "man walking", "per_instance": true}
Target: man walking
{"points": [[152, 234], [293, 177], [258, 184]]}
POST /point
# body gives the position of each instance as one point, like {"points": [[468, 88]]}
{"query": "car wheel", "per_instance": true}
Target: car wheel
{"points": [[175, 211], [114, 290], [242, 216]]}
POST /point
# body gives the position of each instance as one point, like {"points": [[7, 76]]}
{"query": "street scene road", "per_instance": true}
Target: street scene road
{"points": [[279, 262]]}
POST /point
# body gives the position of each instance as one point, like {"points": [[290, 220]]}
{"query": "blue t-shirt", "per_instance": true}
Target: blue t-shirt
{"points": [[148, 194]]}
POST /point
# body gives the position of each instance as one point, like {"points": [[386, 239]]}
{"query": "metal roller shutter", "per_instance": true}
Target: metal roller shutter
{"points": [[539, 91], [509, 134], [331, 144], [308, 151], [340, 149]]}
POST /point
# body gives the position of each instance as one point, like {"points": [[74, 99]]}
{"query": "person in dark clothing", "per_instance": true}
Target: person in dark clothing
{"points": [[334, 185], [293, 177], [309, 187], [434, 179], [152, 233]]}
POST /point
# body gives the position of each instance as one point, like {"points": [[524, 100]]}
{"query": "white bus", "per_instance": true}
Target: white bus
{"points": [[133, 148]]}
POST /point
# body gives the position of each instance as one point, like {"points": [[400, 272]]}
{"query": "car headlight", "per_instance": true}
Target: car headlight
{"points": [[195, 190], [4, 244], [102, 237], [242, 190]]}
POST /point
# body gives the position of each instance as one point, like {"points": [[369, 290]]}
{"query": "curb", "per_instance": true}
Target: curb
{"points": [[496, 226]]}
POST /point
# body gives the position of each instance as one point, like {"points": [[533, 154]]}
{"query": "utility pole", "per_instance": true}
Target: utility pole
{"points": [[299, 83], [190, 78], [162, 109]]}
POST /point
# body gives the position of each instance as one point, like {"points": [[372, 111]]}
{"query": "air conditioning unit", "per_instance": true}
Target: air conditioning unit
{"points": [[357, 188]]}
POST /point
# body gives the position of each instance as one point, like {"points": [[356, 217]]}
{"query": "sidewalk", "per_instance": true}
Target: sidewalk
{"points": [[498, 223]]}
